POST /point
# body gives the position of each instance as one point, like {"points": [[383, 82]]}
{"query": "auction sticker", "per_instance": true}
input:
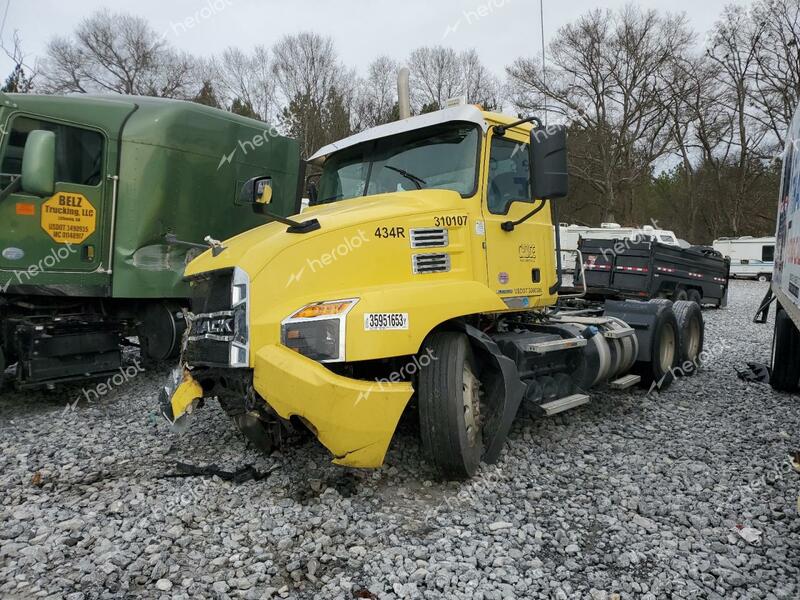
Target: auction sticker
{"points": [[68, 218], [385, 321]]}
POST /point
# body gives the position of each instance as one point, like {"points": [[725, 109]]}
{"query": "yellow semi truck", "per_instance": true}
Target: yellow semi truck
{"points": [[425, 276]]}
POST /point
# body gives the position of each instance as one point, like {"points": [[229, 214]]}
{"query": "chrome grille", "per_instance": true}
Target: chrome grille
{"points": [[429, 238], [431, 263]]}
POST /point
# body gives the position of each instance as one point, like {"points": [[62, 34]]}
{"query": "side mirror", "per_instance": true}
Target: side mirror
{"points": [[39, 163], [548, 158], [257, 192]]}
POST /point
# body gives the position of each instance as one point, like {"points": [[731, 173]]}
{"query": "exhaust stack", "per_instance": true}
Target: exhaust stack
{"points": [[404, 93]]}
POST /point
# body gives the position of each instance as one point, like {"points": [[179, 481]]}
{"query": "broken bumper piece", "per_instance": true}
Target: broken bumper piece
{"points": [[354, 419], [178, 397]]}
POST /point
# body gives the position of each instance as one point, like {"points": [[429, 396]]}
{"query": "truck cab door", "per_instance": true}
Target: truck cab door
{"points": [[520, 263], [63, 232]]}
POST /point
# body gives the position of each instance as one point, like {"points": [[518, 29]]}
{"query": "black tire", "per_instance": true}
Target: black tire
{"points": [[660, 370], [691, 335], [763, 278], [785, 376], [453, 450], [696, 297], [3, 366], [160, 332], [679, 295], [565, 383]]}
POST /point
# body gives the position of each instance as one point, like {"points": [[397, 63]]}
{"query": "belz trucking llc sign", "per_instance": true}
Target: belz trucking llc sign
{"points": [[68, 218]]}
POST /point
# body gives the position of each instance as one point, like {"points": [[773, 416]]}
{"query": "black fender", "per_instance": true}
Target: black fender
{"points": [[642, 317], [504, 390]]}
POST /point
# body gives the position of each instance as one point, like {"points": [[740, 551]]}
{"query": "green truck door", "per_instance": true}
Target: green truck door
{"points": [[70, 230]]}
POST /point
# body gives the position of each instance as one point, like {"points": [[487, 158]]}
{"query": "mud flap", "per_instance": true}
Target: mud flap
{"points": [[504, 389]]}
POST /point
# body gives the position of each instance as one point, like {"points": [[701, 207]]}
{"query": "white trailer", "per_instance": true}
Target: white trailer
{"points": [[785, 286], [571, 234], [751, 257]]}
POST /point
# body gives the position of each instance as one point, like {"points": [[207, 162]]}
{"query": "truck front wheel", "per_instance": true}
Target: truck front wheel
{"points": [[449, 398], [785, 354]]}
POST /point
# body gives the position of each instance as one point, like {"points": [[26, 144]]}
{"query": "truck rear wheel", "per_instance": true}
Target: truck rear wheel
{"points": [[785, 354], [696, 297], [680, 294], [664, 349], [3, 366], [690, 333], [450, 406]]}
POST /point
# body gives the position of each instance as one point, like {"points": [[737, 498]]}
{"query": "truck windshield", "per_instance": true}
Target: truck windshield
{"points": [[442, 157]]}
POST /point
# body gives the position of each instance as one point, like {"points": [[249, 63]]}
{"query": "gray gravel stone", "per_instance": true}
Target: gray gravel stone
{"points": [[629, 497]]}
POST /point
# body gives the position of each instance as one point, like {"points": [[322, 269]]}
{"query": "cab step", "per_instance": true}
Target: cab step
{"points": [[624, 383], [564, 404]]}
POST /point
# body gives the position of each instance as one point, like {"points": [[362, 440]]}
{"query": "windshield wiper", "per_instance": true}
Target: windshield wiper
{"points": [[417, 181]]}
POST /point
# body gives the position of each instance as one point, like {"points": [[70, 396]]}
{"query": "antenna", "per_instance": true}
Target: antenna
{"points": [[544, 60]]}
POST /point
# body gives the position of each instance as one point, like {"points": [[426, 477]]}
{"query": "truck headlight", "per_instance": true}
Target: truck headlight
{"points": [[318, 330], [240, 306]]}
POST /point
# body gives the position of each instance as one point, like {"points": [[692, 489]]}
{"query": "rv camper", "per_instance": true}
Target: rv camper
{"points": [[751, 257]]}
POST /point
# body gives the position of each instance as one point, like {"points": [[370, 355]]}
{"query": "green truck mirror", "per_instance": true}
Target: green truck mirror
{"points": [[39, 163]]}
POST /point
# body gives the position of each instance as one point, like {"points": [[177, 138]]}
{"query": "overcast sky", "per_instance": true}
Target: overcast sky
{"points": [[500, 30]]}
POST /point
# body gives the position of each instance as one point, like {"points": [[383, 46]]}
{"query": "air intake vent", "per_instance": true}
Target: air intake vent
{"points": [[431, 263], [429, 238]]}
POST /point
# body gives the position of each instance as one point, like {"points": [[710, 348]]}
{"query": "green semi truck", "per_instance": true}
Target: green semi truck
{"points": [[104, 201]]}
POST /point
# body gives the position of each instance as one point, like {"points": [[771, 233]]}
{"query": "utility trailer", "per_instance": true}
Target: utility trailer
{"points": [[571, 236], [105, 200], [427, 267], [648, 269]]}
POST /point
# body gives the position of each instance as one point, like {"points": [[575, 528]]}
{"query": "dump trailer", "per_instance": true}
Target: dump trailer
{"points": [[424, 277], [785, 286], [647, 269], [105, 200]]}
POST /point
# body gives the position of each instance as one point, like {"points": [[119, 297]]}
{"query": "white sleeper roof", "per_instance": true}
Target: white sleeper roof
{"points": [[467, 113]]}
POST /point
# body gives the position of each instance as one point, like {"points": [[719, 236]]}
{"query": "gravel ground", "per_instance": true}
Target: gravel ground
{"points": [[631, 497]]}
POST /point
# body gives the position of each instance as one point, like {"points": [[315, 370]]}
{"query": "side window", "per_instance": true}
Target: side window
{"points": [[79, 152], [768, 253], [509, 175]]}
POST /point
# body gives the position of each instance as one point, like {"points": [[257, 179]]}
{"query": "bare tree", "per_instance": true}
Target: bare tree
{"points": [[376, 97], [316, 90], [246, 79], [118, 53], [435, 77], [23, 75], [776, 82], [306, 64], [736, 41], [439, 73], [609, 73], [479, 84]]}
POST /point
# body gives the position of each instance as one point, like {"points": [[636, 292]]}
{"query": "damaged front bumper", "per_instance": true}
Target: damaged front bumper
{"points": [[354, 419]]}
